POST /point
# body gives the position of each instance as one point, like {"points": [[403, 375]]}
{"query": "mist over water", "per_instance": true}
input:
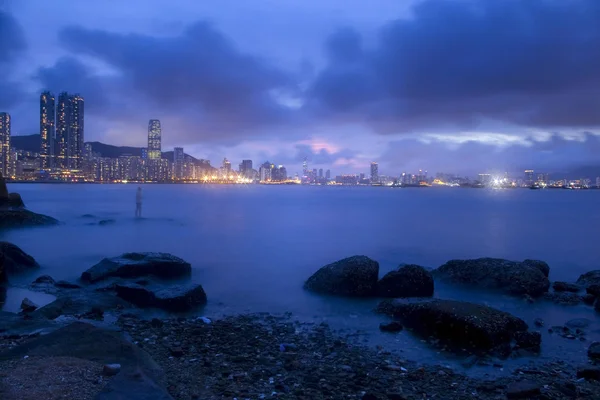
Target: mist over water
{"points": [[252, 247]]}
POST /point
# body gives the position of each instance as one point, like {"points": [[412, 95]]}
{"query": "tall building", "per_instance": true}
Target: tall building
{"points": [[226, 168], [69, 131], [328, 174], [246, 168], [178, 161], [374, 172], [47, 129], [529, 180], [265, 171], [320, 173], [5, 159], [154, 139]]}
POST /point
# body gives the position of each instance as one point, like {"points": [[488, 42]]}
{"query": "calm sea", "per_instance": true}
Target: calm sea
{"points": [[252, 247]]}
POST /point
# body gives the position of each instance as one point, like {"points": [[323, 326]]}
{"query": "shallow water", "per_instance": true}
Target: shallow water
{"points": [[252, 247]]}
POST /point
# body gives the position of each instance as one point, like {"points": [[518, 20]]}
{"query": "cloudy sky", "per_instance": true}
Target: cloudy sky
{"points": [[461, 86]]}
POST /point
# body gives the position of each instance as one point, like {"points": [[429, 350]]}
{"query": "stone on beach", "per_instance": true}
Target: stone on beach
{"points": [[459, 323], [15, 260], [173, 298], [406, 281], [566, 287], [594, 351], [589, 278], [353, 276], [28, 305], [515, 278], [135, 265]]}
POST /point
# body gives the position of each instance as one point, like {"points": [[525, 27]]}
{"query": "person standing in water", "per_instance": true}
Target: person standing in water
{"points": [[138, 203]]}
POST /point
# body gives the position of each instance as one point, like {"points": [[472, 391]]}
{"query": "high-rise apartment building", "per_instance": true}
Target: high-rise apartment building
{"points": [[328, 174], [69, 131], [374, 172], [246, 168], [178, 162], [154, 140], [47, 129], [5, 156]]}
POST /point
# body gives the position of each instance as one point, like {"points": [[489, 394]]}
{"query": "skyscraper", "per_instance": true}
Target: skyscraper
{"points": [[226, 168], [374, 172], [178, 161], [69, 131], [320, 173], [47, 126], [154, 139], [5, 159], [328, 174]]}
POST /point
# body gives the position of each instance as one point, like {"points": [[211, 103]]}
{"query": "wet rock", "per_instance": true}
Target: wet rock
{"points": [[589, 278], [528, 340], [353, 276], [21, 218], [594, 351], [563, 298], [538, 322], [16, 260], [135, 265], [106, 222], [393, 326], [567, 333], [79, 304], [111, 369], [522, 390], [15, 200], [176, 299], [9, 200], [67, 285], [541, 265], [588, 299], [597, 305], [594, 290], [156, 323], [44, 279], [589, 373], [458, 323], [28, 305], [406, 281], [566, 287], [176, 351], [515, 278], [580, 323]]}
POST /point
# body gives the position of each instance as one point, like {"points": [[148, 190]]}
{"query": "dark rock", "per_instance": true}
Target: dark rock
{"points": [[3, 189], [353, 276], [588, 299], [597, 305], [594, 290], [528, 340], [516, 278], [406, 281], [96, 313], [156, 323], [111, 369], [594, 351], [541, 265], [538, 322], [176, 299], [135, 265], [16, 260], [177, 351], [580, 323], [566, 287], [589, 278], [589, 373], [393, 326], [522, 390], [21, 218], [15, 200], [67, 285], [79, 304], [106, 222], [563, 298], [458, 323], [28, 305], [44, 279]]}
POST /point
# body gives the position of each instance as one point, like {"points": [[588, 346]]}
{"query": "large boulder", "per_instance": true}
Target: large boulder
{"points": [[589, 278], [3, 189], [352, 276], [565, 287], [16, 260], [459, 324], [541, 265], [176, 299], [515, 278], [406, 281], [135, 265], [21, 218]]}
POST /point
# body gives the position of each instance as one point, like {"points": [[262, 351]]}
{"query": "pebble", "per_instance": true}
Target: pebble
{"points": [[111, 369]]}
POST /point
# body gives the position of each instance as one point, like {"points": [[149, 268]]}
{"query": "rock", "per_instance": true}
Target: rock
{"points": [[176, 351], [79, 304], [589, 373], [588, 299], [44, 279], [589, 278], [393, 326], [175, 299], [538, 322], [580, 323], [135, 265], [111, 369], [3, 189], [541, 265], [458, 323], [563, 298], [106, 222], [594, 290], [406, 281], [28, 305], [597, 305], [15, 200], [528, 340], [567, 333], [67, 285], [522, 390], [21, 218], [16, 260], [353, 276], [156, 323], [515, 278], [565, 287], [594, 351]]}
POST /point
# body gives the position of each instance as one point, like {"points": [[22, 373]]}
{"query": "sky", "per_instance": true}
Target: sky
{"points": [[455, 86]]}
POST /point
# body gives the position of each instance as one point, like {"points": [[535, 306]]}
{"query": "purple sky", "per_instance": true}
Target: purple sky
{"points": [[460, 86]]}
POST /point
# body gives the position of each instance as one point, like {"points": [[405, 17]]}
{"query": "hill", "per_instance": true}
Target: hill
{"points": [[29, 143]]}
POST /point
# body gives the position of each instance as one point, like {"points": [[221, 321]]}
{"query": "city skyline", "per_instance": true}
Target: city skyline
{"points": [[358, 87]]}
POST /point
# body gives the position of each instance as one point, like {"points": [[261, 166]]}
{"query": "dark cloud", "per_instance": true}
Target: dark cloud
{"points": [[13, 44], [457, 62]]}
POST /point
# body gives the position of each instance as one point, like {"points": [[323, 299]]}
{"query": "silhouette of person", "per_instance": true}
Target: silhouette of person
{"points": [[138, 203]]}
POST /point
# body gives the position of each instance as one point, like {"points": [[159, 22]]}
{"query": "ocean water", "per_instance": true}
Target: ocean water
{"points": [[252, 247]]}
